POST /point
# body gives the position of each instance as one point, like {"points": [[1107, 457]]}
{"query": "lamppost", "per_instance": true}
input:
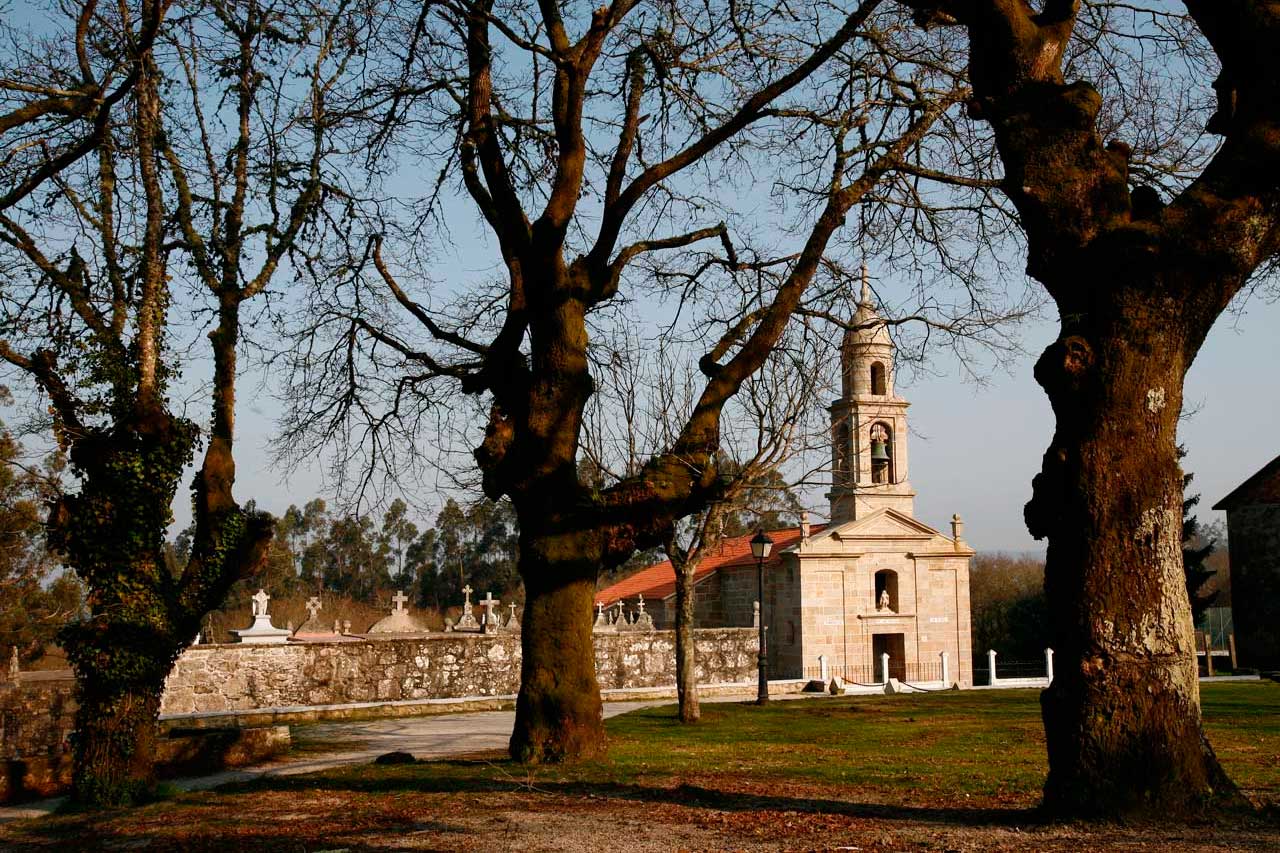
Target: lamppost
{"points": [[761, 545]]}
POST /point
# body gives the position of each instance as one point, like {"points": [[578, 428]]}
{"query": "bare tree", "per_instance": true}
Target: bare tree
{"points": [[203, 183], [775, 423], [1141, 254], [592, 151], [58, 103]]}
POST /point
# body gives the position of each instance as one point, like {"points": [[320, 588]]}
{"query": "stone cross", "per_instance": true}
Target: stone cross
{"points": [[488, 604], [640, 604], [313, 606], [260, 603], [599, 610], [399, 598], [467, 590], [512, 605]]}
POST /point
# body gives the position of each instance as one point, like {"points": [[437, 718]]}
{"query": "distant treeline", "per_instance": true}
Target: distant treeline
{"points": [[355, 563]]}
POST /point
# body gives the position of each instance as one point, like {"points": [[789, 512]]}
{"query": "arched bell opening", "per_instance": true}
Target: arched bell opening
{"points": [[843, 469], [878, 379], [881, 453], [886, 587]]}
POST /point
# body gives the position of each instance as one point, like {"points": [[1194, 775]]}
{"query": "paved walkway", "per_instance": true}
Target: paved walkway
{"points": [[436, 736]]}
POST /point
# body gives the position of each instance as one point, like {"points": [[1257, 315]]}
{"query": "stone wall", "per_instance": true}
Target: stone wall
{"points": [[648, 659], [36, 717], [37, 712], [241, 677]]}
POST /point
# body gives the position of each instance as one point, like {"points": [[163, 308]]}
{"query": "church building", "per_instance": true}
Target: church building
{"points": [[872, 581]]}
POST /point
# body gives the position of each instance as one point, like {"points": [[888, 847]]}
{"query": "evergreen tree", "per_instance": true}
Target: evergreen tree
{"points": [[1196, 549], [398, 533]]}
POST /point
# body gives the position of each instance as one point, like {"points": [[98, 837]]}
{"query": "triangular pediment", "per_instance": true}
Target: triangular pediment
{"points": [[884, 523]]}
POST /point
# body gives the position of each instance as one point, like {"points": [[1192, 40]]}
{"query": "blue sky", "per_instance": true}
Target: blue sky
{"points": [[974, 449]]}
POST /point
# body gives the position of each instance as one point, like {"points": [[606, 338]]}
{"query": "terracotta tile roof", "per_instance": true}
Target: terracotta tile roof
{"points": [[659, 581]]}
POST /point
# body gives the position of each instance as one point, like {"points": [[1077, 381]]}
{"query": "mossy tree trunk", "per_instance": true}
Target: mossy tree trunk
{"points": [[105, 366], [1138, 283], [115, 743], [141, 616]]}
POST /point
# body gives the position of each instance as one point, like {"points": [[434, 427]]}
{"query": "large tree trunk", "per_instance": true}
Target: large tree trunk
{"points": [[686, 652], [115, 736], [112, 533], [559, 716], [141, 617], [1122, 718]]}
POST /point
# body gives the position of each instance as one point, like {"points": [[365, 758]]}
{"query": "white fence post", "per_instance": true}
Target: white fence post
{"points": [[991, 665], [1048, 664], [824, 668], [884, 668], [946, 671]]}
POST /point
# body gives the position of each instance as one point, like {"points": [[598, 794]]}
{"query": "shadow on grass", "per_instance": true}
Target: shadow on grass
{"points": [[502, 776], [227, 819]]}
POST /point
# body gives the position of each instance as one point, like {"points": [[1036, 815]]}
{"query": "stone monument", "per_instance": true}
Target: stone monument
{"points": [[399, 621], [262, 631], [467, 621]]}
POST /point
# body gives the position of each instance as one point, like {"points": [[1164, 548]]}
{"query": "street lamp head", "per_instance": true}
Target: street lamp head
{"points": [[761, 545]]}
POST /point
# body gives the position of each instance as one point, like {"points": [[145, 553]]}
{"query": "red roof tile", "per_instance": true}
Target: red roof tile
{"points": [[659, 581]]}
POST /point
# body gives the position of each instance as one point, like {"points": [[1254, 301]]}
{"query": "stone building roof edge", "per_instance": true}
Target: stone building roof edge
{"points": [[1263, 486]]}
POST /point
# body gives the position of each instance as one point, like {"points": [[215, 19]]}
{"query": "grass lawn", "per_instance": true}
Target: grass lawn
{"points": [[946, 771]]}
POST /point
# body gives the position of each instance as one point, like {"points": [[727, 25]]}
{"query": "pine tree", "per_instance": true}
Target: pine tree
{"points": [[1195, 550]]}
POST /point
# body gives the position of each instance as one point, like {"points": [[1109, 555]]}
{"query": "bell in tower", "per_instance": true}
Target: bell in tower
{"points": [[880, 458]]}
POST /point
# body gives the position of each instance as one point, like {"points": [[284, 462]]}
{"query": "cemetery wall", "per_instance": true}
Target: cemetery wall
{"points": [[37, 712], [36, 717], [245, 677]]}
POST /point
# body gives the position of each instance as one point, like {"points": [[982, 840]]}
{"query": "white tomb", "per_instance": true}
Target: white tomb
{"points": [[262, 631]]}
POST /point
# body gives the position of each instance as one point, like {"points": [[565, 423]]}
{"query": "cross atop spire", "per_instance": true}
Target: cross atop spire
{"points": [[866, 287]]}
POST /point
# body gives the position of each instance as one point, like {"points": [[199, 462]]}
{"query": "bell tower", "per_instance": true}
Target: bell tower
{"points": [[868, 423]]}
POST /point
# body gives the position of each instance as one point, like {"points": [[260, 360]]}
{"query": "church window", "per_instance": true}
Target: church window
{"points": [[881, 453], [877, 378], [886, 591]]}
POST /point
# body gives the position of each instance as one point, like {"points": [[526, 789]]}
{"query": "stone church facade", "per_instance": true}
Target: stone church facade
{"points": [[873, 581]]}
